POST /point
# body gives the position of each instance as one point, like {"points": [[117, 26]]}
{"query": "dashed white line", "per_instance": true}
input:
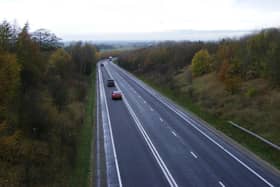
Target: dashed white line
{"points": [[174, 133], [151, 109], [194, 155], [222, 184], [145, 102], [154, 151], [161, 119], [193, 124]]}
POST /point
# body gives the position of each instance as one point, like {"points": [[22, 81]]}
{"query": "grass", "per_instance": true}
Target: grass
{"points": [[261, 149], [82, 172]]}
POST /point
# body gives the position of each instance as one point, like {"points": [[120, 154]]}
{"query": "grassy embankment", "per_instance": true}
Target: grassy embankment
{"points": [[199, 107], [83, 170]]}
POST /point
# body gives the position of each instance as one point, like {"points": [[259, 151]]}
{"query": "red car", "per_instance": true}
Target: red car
{"points": [[116, 95]]}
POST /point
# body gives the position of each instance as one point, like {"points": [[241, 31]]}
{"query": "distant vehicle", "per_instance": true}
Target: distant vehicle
{"points": [[116, 95], [102, 65], [110, 58], [110, 83]]}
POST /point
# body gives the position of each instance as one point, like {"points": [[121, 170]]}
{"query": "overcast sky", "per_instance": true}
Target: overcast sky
{"points": [[85, 17]]}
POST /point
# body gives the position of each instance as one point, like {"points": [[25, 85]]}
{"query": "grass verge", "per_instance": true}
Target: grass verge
{"points": [[82, 171], [260, 149]]}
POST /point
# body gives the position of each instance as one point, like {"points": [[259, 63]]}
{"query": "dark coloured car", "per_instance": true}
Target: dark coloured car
{"points": [[116, 95], [110, 83], [102, 65]]}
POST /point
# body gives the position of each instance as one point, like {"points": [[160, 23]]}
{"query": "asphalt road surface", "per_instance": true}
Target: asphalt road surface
{"points": [[149, 141]]}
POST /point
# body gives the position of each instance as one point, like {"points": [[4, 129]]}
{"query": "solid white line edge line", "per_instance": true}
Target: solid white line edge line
{"points": [[102, 92], [190, 121], [98, 172], [154, 151]]}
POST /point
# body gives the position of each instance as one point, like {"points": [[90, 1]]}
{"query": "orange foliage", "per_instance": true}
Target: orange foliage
{"points": [[223, 71]]}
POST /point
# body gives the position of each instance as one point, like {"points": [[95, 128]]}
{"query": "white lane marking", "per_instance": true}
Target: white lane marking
{"points": [[192, 123], [102, 93], [194, 155], [222, 185], [145, 102], [98, 143], [174, 133], [151, 109], [161, 119], [151, 146]]}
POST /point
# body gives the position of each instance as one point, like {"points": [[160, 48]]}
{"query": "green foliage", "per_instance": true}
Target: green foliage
{"points": [[200, 63], [251, 92], [263, 53]]}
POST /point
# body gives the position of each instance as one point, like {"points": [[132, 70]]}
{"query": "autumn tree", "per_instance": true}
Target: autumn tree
{"points": [[28, 56], [9, 82], [201, 63], [60, 61], [59, 73]]}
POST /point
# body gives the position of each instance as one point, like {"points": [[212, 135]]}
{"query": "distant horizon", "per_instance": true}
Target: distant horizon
{"points": [[171, 35]]}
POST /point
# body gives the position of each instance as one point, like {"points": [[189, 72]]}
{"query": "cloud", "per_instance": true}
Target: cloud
{"points": [[66, 17], [260, 5]]}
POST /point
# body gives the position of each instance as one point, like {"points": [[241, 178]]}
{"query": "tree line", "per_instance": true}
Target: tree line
{"points": [[234, 60], [43, 88]]}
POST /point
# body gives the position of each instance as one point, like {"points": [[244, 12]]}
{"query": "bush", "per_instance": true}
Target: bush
{"points": [[251, 92], [232, 84]]}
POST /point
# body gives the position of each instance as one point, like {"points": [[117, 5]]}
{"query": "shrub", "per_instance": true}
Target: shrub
{"points": [[232, 84], [251, 92]]}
